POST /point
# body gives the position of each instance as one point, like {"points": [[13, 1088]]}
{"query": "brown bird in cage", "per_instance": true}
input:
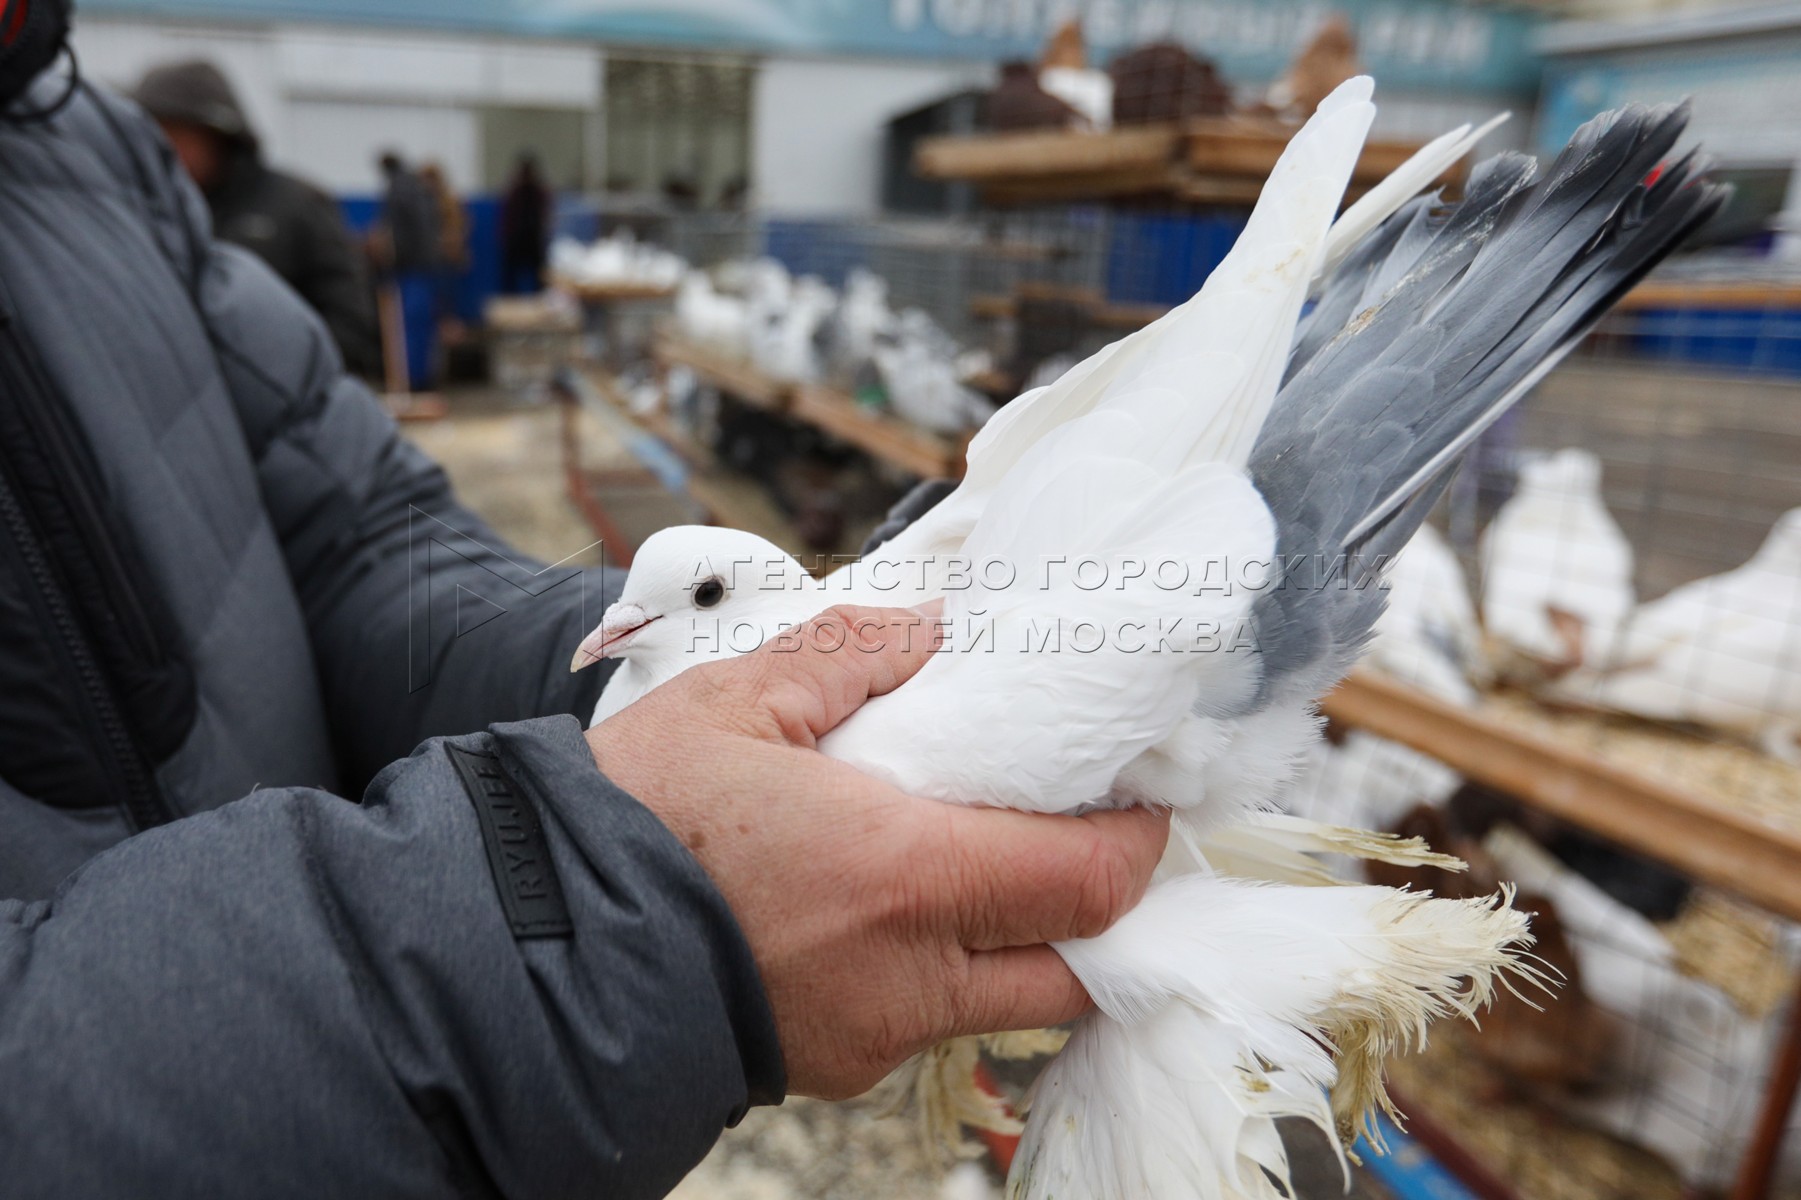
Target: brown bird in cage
{"points": [[1327, 61], [1067, 47], [1064, 73], [1164, 82], [1558, 1039], [1019, 103]]}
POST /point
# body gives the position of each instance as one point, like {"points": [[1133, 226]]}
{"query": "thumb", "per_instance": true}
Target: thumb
{"points": [[812, 677]]}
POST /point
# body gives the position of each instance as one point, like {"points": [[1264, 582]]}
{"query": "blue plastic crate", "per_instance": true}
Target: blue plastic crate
{"points": [[1757, 341], [1164, 258]]}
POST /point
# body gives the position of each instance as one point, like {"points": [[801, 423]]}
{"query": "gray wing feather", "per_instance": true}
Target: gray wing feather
{"points": [[1442, 320]]}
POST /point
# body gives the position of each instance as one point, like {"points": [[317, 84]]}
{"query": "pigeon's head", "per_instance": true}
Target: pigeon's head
{"points": [[703, 593]]}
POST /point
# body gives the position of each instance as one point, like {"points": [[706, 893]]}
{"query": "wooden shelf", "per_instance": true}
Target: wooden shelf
{"points": [[1248, 146], [611, 293], [1047, 154], [1104, 315], [1679, 293], [1210, 160], [733, 375], [878, 434], [921, 452], [1727, 849]]}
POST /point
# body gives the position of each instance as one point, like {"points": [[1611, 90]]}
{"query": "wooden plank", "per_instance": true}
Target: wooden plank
{"points": [[1153, 180], [731, 375], [611, 293], [918, 451], [1680, 293], [1042, 153], [1728, 850], [1228, 190], [1250, 147], [1105, 315]]}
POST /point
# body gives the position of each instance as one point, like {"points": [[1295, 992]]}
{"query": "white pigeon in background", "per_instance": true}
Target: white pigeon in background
{"points": [[1233, 995], [1723, 651], [1088, 91], [783, 338], [1428, 634], [1556, 567], [918, 367], [861, 319], [708, 319], [1367, 782], [1685, 1074], [617, 261]]}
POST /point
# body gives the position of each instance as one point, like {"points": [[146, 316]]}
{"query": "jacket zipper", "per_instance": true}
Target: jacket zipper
{"points": [[136, 789]]}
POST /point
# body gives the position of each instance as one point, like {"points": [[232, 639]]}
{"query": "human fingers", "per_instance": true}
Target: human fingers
{"points": [[811, 678], [1023, 878], [1024, 987]]}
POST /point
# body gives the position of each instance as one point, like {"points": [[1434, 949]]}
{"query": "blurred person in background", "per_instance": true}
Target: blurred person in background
{"points": [[526, 213], [291, 225], [408, 244], [453, 249]]}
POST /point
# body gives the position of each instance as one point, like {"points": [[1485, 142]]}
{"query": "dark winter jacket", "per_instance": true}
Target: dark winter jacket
{"points": [[290, 225], [411, 213], [229, 588], [298, 230]]}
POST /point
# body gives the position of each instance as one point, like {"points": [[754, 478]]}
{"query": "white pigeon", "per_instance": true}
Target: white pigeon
{"points": [[708, 319], [1686, 1069], [1367, 782], [617, 261], [1723, 651], [1556, 567], [1233, 995], [785, 327], [920, 372], [1088, 91], [862, 317], [1428, 634]]}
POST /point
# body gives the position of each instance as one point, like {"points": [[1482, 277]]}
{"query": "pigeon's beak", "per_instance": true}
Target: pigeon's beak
{"points": [[618, 626]]}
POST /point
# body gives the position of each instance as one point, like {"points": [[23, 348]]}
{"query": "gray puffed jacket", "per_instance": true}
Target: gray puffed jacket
{"points": [[230, 594]]}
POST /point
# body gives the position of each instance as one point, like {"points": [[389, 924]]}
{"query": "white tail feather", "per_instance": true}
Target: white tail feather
{"points": [[1274, 990]]}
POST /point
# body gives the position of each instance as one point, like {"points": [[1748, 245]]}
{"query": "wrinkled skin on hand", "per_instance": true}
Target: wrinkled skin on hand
{"points": [[882, 923]]}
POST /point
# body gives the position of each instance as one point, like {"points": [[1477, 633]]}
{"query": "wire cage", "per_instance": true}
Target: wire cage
{"points": [[1665, 1064]]}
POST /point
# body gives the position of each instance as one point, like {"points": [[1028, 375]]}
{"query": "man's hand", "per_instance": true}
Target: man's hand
{"points": [[881, 923]]}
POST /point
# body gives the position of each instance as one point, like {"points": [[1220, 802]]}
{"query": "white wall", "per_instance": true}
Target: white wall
{"points": [[816, 140], [327, 101]]}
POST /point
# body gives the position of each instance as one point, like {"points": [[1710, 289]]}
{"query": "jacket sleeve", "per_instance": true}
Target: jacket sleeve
{"points": [[297, 996], [423, 622]]}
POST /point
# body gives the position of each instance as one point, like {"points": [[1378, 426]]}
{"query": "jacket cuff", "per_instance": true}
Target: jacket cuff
{"points": [[613, 855]]}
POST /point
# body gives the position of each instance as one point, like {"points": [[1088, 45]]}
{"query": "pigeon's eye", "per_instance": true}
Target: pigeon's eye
{"points": [[709, 593]]}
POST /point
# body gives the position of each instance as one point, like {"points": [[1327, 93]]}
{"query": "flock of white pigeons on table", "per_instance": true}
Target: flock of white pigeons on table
{"points": [[1242, 430], [620, 261], [803, 331], [799, 330]]}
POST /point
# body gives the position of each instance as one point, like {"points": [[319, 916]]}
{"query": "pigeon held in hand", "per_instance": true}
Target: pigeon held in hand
{"points": [[1301, 457]]}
